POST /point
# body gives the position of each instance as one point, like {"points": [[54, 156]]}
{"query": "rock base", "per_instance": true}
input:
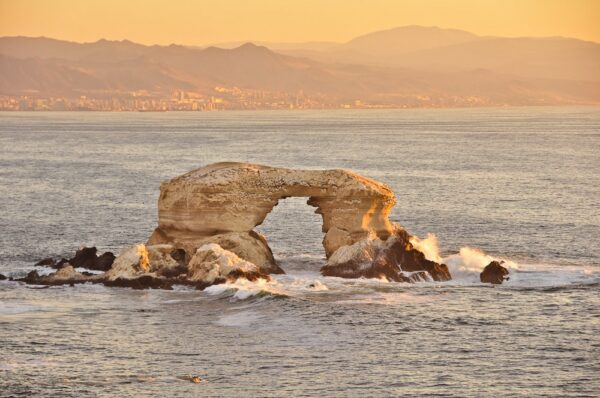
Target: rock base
{"points": [[392, 259], [154, 267]]}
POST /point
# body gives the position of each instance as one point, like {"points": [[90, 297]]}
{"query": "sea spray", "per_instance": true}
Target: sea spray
{"points": [[468, 262], [428, 246]]}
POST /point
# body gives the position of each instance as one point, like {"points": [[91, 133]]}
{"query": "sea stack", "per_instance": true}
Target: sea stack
{"points": [[205, 234], [222, 203]]}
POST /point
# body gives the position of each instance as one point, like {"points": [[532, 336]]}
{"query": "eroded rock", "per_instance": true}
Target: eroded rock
{"points": [[223, 202], [392, 259], [132, 262], [212, 263], [206, 231]]}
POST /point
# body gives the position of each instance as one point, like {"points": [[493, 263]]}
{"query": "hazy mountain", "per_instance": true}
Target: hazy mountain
{"points": [[439, 49], [403, 66], [551, 58], [280, 46], [407, 39]]}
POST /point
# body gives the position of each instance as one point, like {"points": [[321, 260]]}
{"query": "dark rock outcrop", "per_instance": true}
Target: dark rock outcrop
{"points": [[494, 273], [85, 257], [47, 262], [64, 276], [402, 252], [390, 259], [104, 262], [250, 275], [143, 282], [3, 277]]}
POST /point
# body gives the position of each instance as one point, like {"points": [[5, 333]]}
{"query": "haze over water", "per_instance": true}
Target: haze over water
{"points": [[520, 184]]}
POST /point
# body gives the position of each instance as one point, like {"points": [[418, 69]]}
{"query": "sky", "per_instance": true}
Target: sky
{"points": [[203, 22]]}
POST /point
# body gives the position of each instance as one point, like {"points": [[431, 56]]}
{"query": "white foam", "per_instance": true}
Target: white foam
{"points": [[429, 247]]}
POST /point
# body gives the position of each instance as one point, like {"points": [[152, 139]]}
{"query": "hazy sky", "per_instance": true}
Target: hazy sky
{"points": [[201, 22]]}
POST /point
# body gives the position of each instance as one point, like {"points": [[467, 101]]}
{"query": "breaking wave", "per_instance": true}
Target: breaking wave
{"points": [[465, 267]]}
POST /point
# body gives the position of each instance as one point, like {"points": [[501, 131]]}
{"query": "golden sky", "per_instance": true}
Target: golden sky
{"points": [[202, 22]]}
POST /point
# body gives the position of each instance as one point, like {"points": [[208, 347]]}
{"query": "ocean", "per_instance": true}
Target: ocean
{"points": [[518, 184]]}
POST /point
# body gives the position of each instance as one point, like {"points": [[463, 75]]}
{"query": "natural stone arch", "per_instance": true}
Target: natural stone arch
{"points": [[295, 233], [211, 213], [223, 203]]}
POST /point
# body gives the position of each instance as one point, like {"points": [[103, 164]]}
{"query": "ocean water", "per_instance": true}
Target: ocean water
{"points": [[518, 184]]}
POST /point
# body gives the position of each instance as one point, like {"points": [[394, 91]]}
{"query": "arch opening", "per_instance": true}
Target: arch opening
{"points": [[294, 233]]}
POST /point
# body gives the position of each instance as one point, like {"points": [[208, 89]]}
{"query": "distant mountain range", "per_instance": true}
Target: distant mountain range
{"points": [[391, 68]]}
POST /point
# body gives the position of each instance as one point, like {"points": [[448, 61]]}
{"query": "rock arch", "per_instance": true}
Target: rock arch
{"points": [[211, 213], [223, 202]]}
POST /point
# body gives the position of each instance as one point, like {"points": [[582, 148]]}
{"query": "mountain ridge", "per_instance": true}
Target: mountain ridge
{"points": [[384, 68]]}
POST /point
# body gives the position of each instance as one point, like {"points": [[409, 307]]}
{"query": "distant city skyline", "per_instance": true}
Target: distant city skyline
{"points": [[204, 22]]}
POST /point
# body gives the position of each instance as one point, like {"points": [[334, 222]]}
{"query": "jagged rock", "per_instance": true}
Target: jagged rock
{"points": [[132, 262], [104, 261], [390, 259], [223, 202], [3, 277], [140, 260], [494, 273], [211, 263], [32, 277], [86, 258]]}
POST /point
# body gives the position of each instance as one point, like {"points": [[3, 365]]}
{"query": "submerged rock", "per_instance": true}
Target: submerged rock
{"points": [[141, 282], [494, 273], [63, 276]]}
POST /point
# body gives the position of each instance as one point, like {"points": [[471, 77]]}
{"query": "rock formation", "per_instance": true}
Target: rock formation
{"points": [[85, 257], [494, 273], [223, 202], [206, 235], [394, 259], [158, 267]]}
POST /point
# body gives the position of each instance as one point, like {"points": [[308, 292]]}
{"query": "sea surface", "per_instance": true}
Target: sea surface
{"points": [[520, 184]]}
